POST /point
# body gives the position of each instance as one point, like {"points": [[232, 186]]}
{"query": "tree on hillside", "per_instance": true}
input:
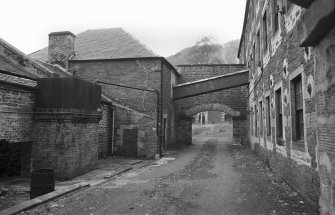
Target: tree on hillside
{"points": [[206, 51]]}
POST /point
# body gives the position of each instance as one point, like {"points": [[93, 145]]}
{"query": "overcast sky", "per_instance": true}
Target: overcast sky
{"points": [[165, 26]]}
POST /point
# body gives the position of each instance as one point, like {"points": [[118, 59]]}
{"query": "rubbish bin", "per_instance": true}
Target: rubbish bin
{"points": [[42, 181]]}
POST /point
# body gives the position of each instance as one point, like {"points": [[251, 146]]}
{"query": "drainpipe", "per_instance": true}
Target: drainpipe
{"points": [[161, 114], [157, 106], [113, 131]]}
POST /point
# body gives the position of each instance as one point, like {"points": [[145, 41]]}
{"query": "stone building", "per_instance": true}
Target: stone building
{"points": [[114, 56], [289, 49]]}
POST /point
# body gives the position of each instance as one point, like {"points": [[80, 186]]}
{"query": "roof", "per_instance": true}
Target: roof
{"points": [[14, 61], [55, 68], [109, 43], [244, 26], [14, 79], [7, 65]]}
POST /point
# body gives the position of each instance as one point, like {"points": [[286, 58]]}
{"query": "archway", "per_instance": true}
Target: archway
{"points": [[185, 120]]}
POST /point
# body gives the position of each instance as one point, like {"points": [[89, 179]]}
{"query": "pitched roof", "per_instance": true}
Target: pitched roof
{"points": [[14, 61], [17, 80], [55, 68], [109, 43]]}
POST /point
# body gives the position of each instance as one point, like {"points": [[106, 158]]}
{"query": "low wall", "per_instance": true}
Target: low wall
{"points": [[65, 140]]}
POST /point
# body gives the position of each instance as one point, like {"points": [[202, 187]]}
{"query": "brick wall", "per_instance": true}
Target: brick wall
{"points": [[65, 140], [282, 61], [16, 113], [16, 119]]}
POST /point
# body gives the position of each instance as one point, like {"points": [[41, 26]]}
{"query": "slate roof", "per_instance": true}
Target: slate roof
{"points": [[109, 43]]}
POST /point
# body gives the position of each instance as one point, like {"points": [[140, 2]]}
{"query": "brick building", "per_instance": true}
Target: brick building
{"points": [[33, 136], [113, 55], [289, 49]]}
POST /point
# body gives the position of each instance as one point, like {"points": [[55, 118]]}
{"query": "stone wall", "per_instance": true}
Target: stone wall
{"points": [[325, 108], [142, 73], [191, 73], [233, 98], [147, 142], [105, 130], [274, 68], [136, 73]]}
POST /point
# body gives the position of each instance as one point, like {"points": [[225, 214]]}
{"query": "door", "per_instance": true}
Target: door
{"points": [[129, 146]]}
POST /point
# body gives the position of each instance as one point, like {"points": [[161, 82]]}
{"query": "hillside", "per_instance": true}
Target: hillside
{"points": [[205, 51]]}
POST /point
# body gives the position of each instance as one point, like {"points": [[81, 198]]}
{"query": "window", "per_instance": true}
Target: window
{"points": [[297, 109], [251, 10], [261, 119], [265, 33], [288, 5], [258, 49], [254, 58], [256, 129], [279, 117], [252, 121], [275, 17], [268, 116]]}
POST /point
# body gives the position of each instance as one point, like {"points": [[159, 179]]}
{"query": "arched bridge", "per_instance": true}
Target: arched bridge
{"points": [[211, 88]]}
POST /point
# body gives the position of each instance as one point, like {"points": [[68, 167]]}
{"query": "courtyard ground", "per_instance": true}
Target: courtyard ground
{"points": [[211, 176]]}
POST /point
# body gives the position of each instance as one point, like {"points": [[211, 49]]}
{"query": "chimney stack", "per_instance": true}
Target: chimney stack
{"points": [[61, 47]]}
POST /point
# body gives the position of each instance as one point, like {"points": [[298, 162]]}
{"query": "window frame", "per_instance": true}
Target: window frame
{"points": [[275, 18], [268, 116], [265, 42], [297, 108], [261, 122], [279, 116], [256, 118]]}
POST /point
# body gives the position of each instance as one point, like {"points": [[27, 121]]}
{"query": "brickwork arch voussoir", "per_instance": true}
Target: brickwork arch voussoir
{"points": [[212, 107]]}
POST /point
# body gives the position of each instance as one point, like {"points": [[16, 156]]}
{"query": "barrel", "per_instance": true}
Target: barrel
{"points": [[42, 182]]}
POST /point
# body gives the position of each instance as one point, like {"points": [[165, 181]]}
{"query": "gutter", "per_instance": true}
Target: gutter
{"points": [[244, 26]]}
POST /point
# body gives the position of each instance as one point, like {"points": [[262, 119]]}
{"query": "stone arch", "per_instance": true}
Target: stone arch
{"points": [[211, 107], [185, 120]]}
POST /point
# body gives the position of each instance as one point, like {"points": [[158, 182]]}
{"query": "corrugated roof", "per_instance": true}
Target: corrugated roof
{"points": [[109, 43]]}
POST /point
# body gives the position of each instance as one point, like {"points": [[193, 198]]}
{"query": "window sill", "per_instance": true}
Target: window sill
{"points": [[298, 145], [280, 141]]}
